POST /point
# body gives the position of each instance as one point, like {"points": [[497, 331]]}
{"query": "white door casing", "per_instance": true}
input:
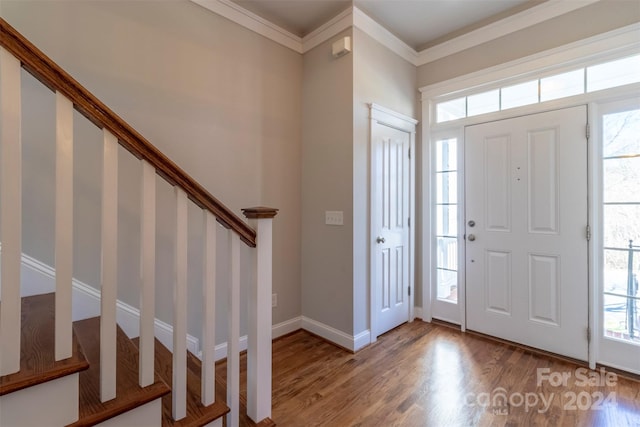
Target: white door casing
{"points": [[527, 254], [392, 207]]}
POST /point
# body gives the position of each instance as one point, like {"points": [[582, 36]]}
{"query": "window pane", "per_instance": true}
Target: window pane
{"points": [[621, 224], [451, 110], [447, 220], [616, 270], [446, 154], [621, 133], [447, 285], [482, 103], [446, 187], [519, 95], [621, 318], [562, 85], [614, 73], [447, 253], [621, 179]]}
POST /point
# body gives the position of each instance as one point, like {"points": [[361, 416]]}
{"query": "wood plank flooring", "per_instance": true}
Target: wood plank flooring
{"points": [[423, 374]]}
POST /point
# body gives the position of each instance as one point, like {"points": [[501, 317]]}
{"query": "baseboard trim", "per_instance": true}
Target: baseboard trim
{"points": [[346, 341], [286, 327], [86, 303], [40, 278], [277, 330]]}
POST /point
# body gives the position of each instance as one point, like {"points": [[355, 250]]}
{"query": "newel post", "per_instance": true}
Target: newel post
{"points": [[260, 318]]}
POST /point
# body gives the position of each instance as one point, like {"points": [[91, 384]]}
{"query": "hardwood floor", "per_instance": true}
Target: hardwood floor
{"points": [[423, 374]]}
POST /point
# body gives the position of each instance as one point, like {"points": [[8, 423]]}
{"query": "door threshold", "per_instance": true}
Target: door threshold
{"points": [[582, 363]]}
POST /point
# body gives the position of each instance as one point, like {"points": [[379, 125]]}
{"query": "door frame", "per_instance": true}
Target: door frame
{"points": [[386, 117], [607, 46]]}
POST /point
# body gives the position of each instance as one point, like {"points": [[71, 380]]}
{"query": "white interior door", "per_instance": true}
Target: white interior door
{"points": [[391, 213], [526, 218]]}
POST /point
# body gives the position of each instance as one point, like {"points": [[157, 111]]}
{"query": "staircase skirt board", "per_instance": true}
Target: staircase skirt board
{"points": [[52, 403]]}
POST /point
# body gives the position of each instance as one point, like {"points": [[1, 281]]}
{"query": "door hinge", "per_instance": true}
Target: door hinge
{"points": [[588, 233], [588, 131], [588, 334], [409, 290], [408, 222], [409, 152]]}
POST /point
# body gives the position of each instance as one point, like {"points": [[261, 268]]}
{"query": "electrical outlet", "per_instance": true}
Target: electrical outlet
{"points": [[274, 300], [333, 218]]}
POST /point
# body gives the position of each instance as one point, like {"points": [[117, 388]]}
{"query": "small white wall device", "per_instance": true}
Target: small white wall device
{"points": [[341, 47]]}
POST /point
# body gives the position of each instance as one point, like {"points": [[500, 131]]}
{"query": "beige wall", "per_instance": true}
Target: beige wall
{"points": [[327, 159], [600, 17], [221, 101], [381, 77]]}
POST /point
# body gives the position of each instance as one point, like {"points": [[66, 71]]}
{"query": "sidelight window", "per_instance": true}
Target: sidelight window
{"points": [[621, 224], [446, 179]]}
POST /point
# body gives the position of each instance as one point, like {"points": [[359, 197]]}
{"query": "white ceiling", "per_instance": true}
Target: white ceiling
{"points": [[419, 23]]}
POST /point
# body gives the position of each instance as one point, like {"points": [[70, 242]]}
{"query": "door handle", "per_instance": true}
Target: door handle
{"points": [[380, 239], [471, 237]]}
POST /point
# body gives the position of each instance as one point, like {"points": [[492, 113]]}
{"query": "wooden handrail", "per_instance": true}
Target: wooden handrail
{"points": [[55, 78]]}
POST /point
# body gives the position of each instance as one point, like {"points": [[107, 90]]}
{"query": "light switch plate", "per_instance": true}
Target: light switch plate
{"points": [[333, 218]]}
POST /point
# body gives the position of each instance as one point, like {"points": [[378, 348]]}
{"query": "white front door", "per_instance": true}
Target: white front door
{"points": [[525, 221], [391, 213]]}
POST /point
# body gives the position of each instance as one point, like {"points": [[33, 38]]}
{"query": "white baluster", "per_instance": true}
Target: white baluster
{"points": [[11, 206], [208, 392], [147, 274], [109, 289], [64, 226], [233, 335], [179, 386], [260, 318]]}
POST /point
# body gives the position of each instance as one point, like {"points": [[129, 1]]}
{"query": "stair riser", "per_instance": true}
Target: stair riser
{"points": [[216, 423], [149, 415], [54, 403]]}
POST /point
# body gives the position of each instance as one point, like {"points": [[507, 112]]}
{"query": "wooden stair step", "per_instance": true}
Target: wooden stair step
{"points": [[37, 348], [129, 394], [197, 414]]}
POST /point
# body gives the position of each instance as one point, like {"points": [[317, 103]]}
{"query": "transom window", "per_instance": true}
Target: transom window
{"points": [[574, 82]]}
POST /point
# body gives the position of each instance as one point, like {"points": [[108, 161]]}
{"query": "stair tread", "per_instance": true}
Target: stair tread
{"points": [[197, 414], [129, 394], [37, 347]]}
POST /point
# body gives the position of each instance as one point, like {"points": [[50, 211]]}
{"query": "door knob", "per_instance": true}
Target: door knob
{"points": [[380, 239], [471, 237], [471, 223]]}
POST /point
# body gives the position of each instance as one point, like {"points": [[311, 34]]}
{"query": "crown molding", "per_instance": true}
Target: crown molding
{"points": [[527, 18], [383, 36], [354, 17], [253, 22], [327, 30]]}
